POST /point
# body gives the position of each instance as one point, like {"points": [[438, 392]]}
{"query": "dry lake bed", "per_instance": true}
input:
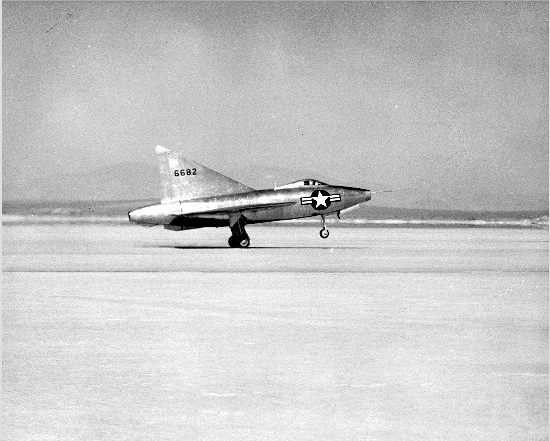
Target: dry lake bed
{"points": [[123, 332]]}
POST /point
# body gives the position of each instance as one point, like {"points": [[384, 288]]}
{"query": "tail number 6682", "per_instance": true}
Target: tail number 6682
{"points": [[185, 172]]}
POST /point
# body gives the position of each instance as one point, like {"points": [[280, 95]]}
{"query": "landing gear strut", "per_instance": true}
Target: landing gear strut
{"points": [[324, 232], [239, 238]]}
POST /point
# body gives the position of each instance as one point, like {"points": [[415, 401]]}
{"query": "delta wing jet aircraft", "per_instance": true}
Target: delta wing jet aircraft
{"points": [[194, 196]]}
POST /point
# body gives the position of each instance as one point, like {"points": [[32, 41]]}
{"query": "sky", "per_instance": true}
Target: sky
{"points": [[445, 103]]}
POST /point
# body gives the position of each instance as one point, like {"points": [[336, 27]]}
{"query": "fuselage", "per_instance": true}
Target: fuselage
{"points": [[256, 206]]}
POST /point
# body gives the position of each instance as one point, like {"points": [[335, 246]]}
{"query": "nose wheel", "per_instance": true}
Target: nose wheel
{"points": [[324, 232]]}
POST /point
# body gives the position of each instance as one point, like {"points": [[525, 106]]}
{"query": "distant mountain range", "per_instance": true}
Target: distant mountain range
{"points": [[139, 181], [135, 181], [119, 209]]}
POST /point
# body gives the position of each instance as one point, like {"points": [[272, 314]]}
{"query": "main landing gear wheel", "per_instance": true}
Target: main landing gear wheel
{"points": [[324, 232], [239, 238], [242, 242]]}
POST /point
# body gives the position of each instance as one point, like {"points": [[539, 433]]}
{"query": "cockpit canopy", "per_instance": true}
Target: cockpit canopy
{"points": [[302, 183]]}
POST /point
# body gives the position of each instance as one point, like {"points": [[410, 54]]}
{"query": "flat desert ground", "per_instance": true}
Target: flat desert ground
{"points": [[131, 333]]}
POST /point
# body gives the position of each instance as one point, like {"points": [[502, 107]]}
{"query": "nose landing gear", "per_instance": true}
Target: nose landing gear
{"points": [[324, 232]]}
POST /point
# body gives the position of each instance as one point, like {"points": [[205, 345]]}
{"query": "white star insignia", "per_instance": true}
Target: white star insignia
{"points": [[320, 199]]}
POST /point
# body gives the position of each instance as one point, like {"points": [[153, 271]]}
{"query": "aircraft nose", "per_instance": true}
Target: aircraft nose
{"points": [[363, 194]]}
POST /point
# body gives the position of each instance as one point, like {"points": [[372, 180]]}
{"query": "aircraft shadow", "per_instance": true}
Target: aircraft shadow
{"points": [[217, 247]]}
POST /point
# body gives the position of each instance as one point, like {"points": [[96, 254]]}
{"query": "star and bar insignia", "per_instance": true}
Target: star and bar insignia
{"points": [[320, 199]]}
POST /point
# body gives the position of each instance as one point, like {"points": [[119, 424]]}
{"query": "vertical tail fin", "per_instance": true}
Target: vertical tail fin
{"points": [[183, 179]]}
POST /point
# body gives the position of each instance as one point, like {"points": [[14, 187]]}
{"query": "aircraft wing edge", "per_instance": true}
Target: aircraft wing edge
{"points": [[238, 209]]}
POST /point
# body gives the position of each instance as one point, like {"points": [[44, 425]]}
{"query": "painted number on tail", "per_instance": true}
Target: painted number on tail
{"points": [[185, 172]]}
